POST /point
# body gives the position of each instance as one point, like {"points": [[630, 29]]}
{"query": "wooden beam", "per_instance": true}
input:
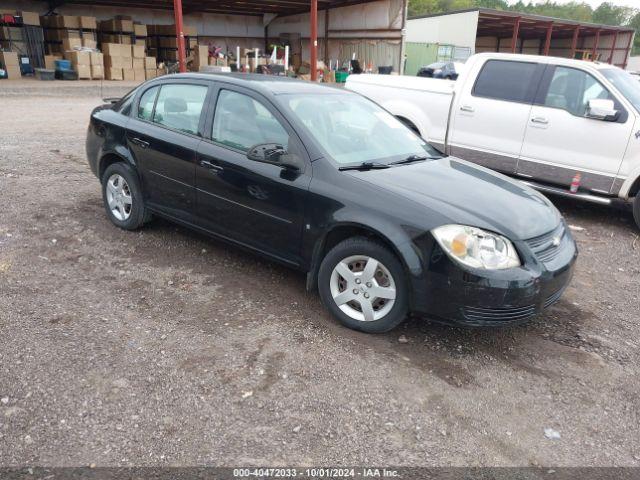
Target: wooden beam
{"points": [[182, 55], [613, 47], [516, 31], [547, 40], [574, 41], [313, 40], [594, 52]]}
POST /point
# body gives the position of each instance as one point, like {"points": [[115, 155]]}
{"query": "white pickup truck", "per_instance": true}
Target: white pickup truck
{"points": [[563, 126]]}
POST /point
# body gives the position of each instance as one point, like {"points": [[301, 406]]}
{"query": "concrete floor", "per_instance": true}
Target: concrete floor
{"points": [[162, 347]]}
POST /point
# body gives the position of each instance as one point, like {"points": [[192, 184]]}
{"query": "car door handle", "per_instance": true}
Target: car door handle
{"points": [[211, 166], [467, 108], [141, 143], [540, 120]]}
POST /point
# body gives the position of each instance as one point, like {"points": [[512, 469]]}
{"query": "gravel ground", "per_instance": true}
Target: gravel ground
{"points": [[162, 347]]}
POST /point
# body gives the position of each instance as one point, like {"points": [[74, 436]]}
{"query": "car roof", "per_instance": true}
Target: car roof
{"points": [[546, 59], [266, 84]]}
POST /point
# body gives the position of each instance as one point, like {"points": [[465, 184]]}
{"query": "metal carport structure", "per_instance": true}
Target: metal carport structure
{"points": [[259, 8]]}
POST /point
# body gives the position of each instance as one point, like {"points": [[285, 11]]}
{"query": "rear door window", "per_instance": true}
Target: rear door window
{"points": [[145, 105], [179, 107], [507, 80]]}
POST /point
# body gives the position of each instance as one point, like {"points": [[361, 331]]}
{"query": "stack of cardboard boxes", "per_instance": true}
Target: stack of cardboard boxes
{"points": [[9, 61], [80, 63], [117, 30], [140, 34], [138, 56], [62, 30], [118, 64], [162, 42]]}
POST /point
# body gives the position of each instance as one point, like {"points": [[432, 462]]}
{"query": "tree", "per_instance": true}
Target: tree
{"points": [[609, 14]]}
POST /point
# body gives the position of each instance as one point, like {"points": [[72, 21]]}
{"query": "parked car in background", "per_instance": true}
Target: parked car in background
{"points": [[447, 70], [325, 181], [563, 126]]}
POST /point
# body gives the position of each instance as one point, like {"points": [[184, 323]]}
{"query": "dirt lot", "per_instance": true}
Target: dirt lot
{"points": [[162, 347]]}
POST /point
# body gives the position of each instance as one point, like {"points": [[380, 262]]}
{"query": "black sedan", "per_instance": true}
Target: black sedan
{"points": [[325, 181]]}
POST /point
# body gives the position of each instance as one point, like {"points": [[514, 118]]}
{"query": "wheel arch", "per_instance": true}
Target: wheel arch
{"points": [[342, 231], [114, 156]]}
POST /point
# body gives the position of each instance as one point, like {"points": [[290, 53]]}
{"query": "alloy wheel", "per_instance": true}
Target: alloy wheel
{"points": [[119, 197], [363, 288]]}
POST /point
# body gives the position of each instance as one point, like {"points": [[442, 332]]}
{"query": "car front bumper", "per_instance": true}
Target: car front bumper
{"points": [[499, 297]]}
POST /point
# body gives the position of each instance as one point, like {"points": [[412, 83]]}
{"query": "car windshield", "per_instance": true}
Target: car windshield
{"points": [[625, 83], [352, 129]]}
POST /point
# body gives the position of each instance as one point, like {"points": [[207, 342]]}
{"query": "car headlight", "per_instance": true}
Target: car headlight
{"points": [[476, 248]]}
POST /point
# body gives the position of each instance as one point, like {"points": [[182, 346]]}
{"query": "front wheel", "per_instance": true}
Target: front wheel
{"points": [[636, 209], [362, 283]]}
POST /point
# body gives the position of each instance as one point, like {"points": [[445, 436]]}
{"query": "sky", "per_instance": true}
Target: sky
{"points": [[596, 3]]}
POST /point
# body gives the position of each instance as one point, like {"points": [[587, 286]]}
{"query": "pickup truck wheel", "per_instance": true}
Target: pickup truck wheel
{"points": [[636, 209], [122, 197], [362, 283]]}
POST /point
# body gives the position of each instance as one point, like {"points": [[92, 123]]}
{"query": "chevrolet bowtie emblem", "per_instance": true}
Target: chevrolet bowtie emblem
{"points": [[555, 241]]}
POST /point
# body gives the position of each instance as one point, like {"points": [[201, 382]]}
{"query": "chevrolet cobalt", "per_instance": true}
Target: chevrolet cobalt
{"points": [[327, 182]]}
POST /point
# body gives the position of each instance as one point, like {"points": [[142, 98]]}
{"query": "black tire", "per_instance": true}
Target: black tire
{"points": [[636, 209], [362, 246], [138, 214]]}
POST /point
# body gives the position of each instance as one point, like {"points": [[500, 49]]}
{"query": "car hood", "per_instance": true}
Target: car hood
{"points": [[452, 190]]}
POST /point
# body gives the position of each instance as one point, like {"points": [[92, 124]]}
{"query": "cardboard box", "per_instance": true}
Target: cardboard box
{"points": [[114, 62], [137, 63], [97, 72], [140, 30], [9, 59], [111, 49], [65, 21], [30, 18], [150, 73], [13, 72], [139, 75], [137, 51], [84, 71], [96, 58], [50, 61], [71, 43], [88, 23], [149, 63], [78, 57], [113, 73], [117, 25], [142, 41], [89, 43], [11, 33], [127, 74]]}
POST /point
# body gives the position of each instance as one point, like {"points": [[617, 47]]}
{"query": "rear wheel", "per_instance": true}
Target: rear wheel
{"points": [[122, 197], [362, 283], [636, 209]]}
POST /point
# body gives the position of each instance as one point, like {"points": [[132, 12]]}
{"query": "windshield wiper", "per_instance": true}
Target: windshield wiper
{"points": [[364, 166], [411, 159]]}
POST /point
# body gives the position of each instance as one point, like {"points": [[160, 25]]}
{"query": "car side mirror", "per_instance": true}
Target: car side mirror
{"points": [[272, 153], [601, 109]]}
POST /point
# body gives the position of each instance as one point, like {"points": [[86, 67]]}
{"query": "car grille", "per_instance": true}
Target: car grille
{"points": [[553, 298], [544, 247], [498, 314]]}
